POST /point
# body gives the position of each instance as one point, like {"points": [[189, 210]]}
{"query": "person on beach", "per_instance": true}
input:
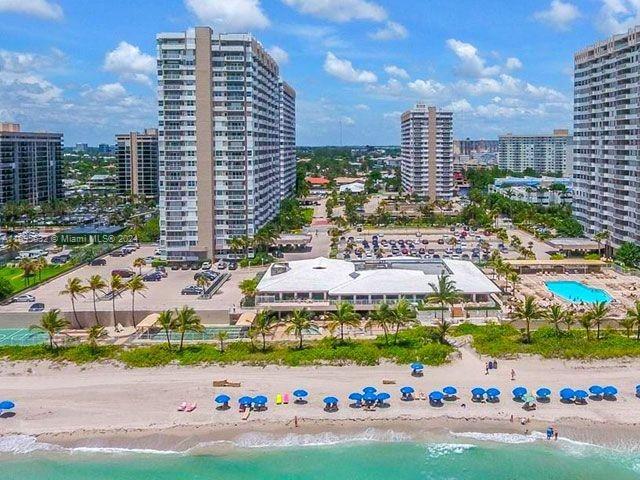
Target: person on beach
{"points": [[549, 432], [513, 375], [486, 368]]}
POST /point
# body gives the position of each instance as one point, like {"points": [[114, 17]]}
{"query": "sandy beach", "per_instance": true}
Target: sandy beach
{"points": [[109, 405]]}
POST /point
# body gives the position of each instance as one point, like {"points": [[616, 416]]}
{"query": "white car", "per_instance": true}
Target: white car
{"points": [[206, 266], [24, 298]]}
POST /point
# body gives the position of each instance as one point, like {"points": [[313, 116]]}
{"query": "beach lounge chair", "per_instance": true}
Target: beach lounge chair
{"points": [[279, 399], [285, 399], [182, 407]]}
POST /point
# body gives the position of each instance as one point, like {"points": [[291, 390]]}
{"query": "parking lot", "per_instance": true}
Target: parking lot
{"points": [[442, 243], [159, 295]]}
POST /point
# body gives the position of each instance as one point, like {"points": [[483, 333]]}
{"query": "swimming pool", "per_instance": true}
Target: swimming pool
{"points": [[21, 336], [578, 292]]}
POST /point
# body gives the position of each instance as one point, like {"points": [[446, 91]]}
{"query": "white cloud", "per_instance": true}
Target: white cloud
{"points": [[391, 31], [37, 8], [340, 10], [395, 71], [617, 16], [513, 63], [426, 88], [471, 64], [347, 120], [107, 91], [507, 85], [560, 15], [361, 106], [130, 63], [459, 106], [229, 15], [344, 70], [280, 55], [393, 89], [395, 115]]}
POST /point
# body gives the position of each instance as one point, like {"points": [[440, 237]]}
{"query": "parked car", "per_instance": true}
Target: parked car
{"points": [[98, 262], [192, 290], [152, 277], [206, 274], [37, 307], [206, 265], [24, 298], [123, 272], [117, 253], [60, 259], [222, 265], [233, 266]]}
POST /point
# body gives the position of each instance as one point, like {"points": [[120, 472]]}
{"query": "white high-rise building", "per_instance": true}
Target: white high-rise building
{"points": [[542, 153], [287, 139], [427, 152], [219, 141], [606, 149]]}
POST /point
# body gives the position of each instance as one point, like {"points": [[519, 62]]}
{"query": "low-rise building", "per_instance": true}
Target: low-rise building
{"points": [[544, 191]]}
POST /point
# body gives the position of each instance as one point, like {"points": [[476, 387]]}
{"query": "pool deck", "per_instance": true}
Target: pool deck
{"points": [[624, 289]]}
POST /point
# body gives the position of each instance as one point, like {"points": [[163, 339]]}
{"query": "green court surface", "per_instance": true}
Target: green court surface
{"points": [[21, 336]]}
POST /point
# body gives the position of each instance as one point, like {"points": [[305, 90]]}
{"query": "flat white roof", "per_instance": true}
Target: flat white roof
{"points": [[340, 277]]}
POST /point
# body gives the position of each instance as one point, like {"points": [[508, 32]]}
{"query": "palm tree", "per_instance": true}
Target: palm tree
{"points": [[586, 321], [601, 236], [444, 292], [513, 278], [187, 321], [203, 282], [569, 319], [627, 323], [555, 315], [598, 313], [402, 314], [249, 288], [135, 285], [51, 323], [96, 332], [235, 245], [116, 285], [527, 311], [222, 335], [139, 263], [28, 267], [74, 288], [96, 284], [12, 244], [299, 321], [345, 315], [263, 324], [38, 265], [167, 323], [381, 317], [635, 314]]}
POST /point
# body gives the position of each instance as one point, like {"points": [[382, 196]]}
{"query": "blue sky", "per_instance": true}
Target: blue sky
{"points": [[86, 68]]}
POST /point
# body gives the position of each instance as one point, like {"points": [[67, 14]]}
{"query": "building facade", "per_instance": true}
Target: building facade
{"points": [[287, 140], [30, 165], [542, 153], [427, 152], [137, 162], [219, 140], [606, 147]]}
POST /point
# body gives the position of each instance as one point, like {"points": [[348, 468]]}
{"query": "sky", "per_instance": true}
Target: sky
{"points": [[87, 68]]}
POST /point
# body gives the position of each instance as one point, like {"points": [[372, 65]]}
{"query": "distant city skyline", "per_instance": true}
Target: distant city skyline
{"points": [[87, 69]]}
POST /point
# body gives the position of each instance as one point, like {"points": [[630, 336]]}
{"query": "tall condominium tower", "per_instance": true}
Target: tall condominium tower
{"points": [[427, 152], [287, 139], [542, 153], [606, 153], [220, 125], [30, 165], [137, 162]]}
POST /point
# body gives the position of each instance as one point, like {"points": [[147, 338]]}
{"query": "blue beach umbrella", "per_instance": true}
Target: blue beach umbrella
{"points": [[478, 392], [581, 394], [407, 390], [543, 392], [596, 390], [370, 397], [637, 388], [7, 405], [417, 366], [222, 399], [519, 392], [567, 394], [300, 393], [609, 391], [260, 400], [436, 396], [369, 389], [245, 400], [330, 400], [382, 396], [356, 397], [493, 392], [450, 390]]}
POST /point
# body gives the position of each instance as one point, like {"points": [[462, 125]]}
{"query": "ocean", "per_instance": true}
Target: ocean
{"points": [[372, 455]]}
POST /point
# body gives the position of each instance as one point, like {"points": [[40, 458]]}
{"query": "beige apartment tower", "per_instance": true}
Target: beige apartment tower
{"points": [[221, 136], [137, 161], [427, 152]]}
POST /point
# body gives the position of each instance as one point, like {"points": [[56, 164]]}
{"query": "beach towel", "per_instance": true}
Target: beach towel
{"points": [[279, 399]]}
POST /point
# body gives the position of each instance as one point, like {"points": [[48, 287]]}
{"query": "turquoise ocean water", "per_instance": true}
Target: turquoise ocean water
{"points": [[469, 457]]}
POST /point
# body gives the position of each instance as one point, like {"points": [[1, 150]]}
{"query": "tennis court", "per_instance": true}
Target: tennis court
{"points": [[21, 336]]}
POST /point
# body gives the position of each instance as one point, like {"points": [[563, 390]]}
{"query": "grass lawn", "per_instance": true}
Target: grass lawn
{"points": [[417, 344], [15, 277], [506, 340]]}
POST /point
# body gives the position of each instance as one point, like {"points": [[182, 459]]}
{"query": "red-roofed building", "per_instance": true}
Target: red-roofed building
{"points": [[317, 181]]}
